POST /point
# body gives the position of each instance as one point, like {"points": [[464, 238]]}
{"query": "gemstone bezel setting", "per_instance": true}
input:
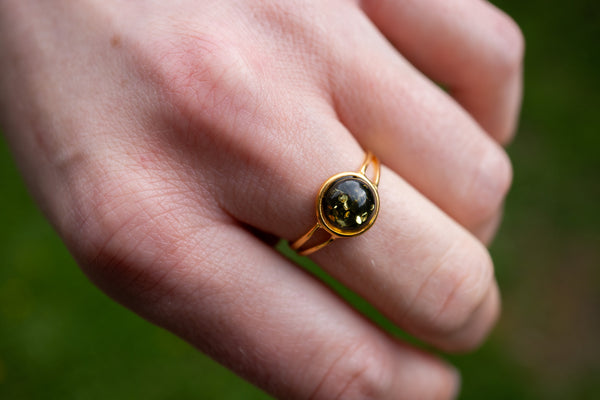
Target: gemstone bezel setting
{"points": [[335, 229]]}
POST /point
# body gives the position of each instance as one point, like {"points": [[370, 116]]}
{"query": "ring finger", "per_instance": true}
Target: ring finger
{"points": [[417, 265]]}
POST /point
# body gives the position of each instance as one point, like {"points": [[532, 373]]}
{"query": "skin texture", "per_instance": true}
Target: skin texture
{"points": [[158, 136]]}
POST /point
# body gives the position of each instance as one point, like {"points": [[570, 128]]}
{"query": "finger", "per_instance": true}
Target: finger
{"points": [[264, 167], [419, 131], [416, 265], [420, 269], [468, 45], [193, 271], [488, 229]]}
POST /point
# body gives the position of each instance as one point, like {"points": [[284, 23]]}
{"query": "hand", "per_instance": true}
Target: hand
{"points": [[157, 136]]}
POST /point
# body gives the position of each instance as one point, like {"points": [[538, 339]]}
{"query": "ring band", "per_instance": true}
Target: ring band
{"points": [[347, 205]]}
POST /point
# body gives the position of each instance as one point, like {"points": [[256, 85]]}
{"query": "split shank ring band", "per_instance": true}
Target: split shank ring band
{"points": [[347, 205]]}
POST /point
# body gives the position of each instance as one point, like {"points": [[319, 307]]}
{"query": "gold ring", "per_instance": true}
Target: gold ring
{"points": [[347, 205]]}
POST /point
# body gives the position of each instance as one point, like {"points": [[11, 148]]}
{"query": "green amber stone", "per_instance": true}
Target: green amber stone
{"points": [[348, 205]]}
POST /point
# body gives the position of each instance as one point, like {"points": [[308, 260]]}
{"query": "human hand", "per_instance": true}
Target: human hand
{"points": [[158, 136]]}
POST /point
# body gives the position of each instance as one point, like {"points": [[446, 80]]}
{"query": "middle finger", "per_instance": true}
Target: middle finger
{"points": [[417, 129]]}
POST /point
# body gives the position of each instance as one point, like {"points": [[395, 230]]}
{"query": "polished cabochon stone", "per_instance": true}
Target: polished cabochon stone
{"points": [[348, 205]]}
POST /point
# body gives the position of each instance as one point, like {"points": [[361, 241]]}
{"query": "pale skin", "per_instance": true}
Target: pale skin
{"points": [[158, 137]]}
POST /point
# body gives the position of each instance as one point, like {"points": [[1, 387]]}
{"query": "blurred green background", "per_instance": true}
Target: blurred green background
{"points": [[60, 338]]}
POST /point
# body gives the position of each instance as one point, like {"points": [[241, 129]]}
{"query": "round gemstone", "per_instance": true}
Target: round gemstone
{"points": [[348, 205]]}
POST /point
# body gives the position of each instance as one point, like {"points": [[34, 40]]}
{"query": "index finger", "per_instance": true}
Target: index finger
{"points": [[217, 286]]}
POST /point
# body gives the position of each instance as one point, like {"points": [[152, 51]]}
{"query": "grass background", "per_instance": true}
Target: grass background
{"points": [[60, 338]]}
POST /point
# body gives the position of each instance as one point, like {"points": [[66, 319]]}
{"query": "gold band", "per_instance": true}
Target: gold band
{"points": [[347, 205]]}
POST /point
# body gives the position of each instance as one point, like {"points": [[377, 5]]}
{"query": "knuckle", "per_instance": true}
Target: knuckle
{"points": [[446, 390], [360, 372], [468, 283], [443, 388], [454, 290], [200, 74], [490, 185], [510, 48]]}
